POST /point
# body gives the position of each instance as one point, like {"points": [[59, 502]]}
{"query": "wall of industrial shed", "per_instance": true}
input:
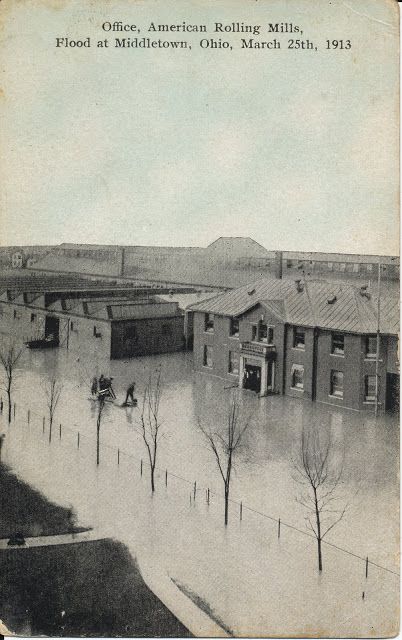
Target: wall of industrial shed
{"points": [[87, 336], [21, 322], [147, 336]]}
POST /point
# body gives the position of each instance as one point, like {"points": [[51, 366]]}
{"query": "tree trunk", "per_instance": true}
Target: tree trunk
{"points": [[152, 479], [226, 505], [9, 405], [319, 554], [97, 444], [319, 538]]}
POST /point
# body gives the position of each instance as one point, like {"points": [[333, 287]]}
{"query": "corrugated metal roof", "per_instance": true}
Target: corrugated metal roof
{"points": [[330, 305]]}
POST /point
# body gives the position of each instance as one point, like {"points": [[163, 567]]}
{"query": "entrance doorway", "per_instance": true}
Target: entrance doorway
{"points": [[52, 329], [252, 378], [392, 396]]}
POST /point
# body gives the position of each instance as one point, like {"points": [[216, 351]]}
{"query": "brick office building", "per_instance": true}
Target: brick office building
{"points": [[313, 340]]}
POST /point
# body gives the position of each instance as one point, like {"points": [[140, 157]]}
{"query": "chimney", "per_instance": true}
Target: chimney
{"points": [[278, 260], [299, 286]]}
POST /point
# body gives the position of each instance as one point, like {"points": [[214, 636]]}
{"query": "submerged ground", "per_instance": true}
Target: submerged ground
{"points": [[252, 581]]}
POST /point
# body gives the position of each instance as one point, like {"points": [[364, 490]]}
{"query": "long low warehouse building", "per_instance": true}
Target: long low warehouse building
{"points": [[113, 327]]}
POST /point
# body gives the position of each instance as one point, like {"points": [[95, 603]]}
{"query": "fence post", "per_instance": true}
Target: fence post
{"points": [[14, 409], [29, 415], [141, 467], [118, 456], [279, 528], [241, 511], [195, 488], [43, 425], [59, 431], [208, 495], [367, 567], [166, 478], [78, 440]]}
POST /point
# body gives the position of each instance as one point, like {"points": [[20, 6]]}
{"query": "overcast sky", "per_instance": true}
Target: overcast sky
{"points": [[297, 149]]}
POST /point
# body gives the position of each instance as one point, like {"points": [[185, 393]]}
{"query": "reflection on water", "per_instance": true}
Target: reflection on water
{"points": [[187, 537]]}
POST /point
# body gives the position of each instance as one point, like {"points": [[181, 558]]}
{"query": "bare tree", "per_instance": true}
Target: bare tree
{"points": [[101, 406], [53, 390], [9, 356], [319, 468], [150, 422], [225, 447]]}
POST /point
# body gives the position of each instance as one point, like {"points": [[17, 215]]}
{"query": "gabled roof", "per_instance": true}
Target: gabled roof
{"points": [[329, 305]]}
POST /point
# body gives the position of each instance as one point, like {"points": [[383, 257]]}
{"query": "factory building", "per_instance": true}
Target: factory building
{"points": [[314, 340], [93, 319]]}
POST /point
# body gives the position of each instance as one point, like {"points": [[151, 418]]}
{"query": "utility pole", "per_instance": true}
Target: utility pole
{"points": [[377, 355]]}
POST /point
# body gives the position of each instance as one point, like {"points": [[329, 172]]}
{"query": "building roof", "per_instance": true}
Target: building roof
{"points": [[357, 258], [238, 246], [329, 305]]}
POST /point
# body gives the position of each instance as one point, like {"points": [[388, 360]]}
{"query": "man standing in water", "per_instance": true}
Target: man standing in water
{"points": [[130, 393]]}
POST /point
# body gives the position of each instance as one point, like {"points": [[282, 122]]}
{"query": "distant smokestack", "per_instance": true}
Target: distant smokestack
{"points": [[278, 260]]}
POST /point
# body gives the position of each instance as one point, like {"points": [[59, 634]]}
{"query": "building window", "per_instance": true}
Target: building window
{"points": [[356, 267], [342, 266], [208, 356], [330, 265], [369, 267], [338, 344], [289, 264], [72, 325], [234, 327], [33, 317], [371, 347], [262, 333], [369, 388], [299, 337], [97, 334], [297, 376], [337, 384], [234, 362], [209, 322]]}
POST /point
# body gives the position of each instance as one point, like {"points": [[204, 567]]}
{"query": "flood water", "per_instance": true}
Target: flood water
{"points": [[255, 582]]}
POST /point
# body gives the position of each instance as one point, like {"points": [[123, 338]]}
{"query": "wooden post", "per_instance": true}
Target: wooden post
{"points": [[363, 595], [60, 432], [241, 511], [279, 528], [166, 478], [195, 488], [78, 440], [43, 425], [367, 567], [14, 409], [118, 456], [141, 467], [208, 495], [29, 415]]}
